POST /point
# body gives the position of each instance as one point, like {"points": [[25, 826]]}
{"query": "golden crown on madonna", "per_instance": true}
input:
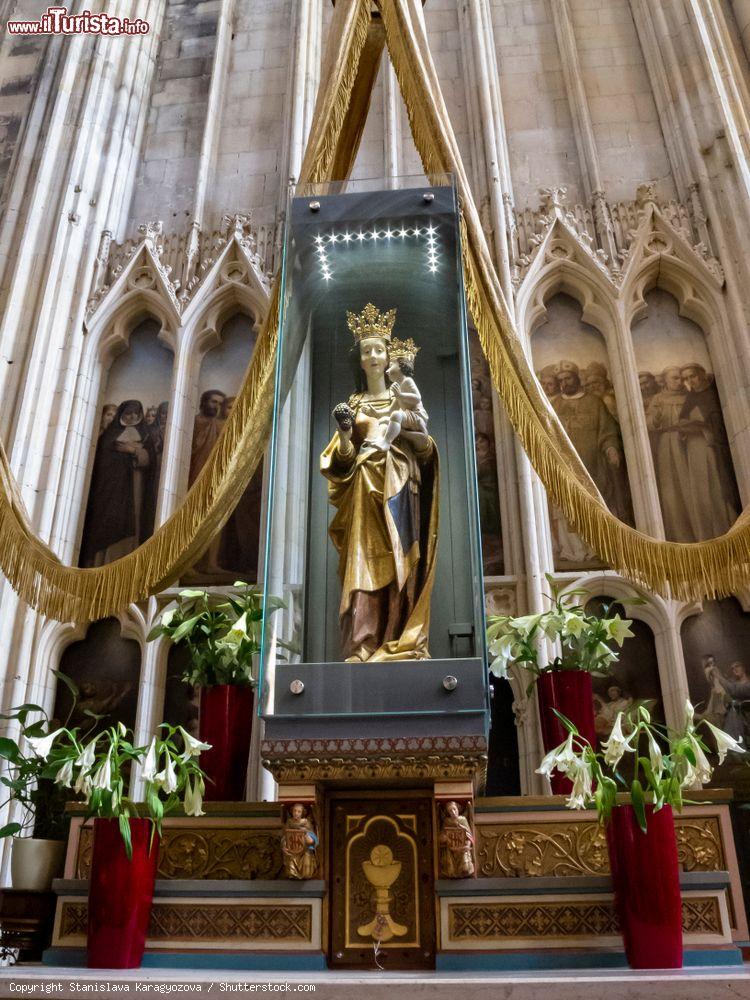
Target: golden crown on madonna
{"points": [[405, 349], [371, 322]]}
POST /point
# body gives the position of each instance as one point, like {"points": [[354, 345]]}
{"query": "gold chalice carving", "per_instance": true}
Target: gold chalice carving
{"points": [[381, 872]]}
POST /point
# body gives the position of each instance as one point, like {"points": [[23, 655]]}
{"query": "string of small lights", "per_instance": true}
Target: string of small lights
{"points": [[324, 244]]}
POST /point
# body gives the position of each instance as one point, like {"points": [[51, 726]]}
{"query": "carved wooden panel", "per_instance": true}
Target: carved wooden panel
{"points": [[381, 883], [579, 847], [499, 921], [206, 852], [199, 922]]}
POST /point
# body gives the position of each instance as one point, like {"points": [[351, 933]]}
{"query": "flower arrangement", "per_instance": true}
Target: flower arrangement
{"points": [[646, 759], [586, 640], [222, 633], [96, 770]]}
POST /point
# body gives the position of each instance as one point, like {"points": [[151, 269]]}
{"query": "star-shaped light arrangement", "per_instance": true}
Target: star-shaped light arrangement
{"points": [[326, 243]]}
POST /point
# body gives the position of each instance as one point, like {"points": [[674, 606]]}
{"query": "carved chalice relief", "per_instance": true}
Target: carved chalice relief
{"points": [[381, 871], [382, 472]]}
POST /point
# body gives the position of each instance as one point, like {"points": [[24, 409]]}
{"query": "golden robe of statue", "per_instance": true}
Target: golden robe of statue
{"points": [[386, 523]]}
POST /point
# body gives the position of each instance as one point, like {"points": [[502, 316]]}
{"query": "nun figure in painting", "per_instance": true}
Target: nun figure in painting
{"points": [[386, 500], [114, 522]]}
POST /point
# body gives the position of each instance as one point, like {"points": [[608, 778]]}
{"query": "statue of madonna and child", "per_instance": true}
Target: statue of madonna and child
{"points": [[382, 472]]}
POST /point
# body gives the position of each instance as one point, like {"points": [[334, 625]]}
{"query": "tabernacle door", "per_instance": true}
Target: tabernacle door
{"points": [[382, 909]]}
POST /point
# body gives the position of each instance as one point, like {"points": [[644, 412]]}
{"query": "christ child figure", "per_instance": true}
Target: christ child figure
{"points": [[407, 413]]}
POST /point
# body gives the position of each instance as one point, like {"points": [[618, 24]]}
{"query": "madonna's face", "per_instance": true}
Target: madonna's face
{"points": [[373, 356]]}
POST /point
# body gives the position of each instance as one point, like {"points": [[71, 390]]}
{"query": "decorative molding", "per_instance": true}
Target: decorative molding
{"points": [[201, 921], [573, 232], [376, 768], [152, 260], [207, 853], [563, 919], [579, 847], [303, 760]]}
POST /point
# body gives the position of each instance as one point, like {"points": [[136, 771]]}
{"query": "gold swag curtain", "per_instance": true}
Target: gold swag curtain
{"points": [[716, 567]]}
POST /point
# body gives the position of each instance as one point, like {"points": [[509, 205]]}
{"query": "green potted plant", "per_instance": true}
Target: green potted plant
{"points": [[39, 825], [222, 634], [654, 766], [126, 833], [586, 648]]}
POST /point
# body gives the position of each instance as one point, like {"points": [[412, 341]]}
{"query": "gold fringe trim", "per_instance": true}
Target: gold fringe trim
{"points": [[67, 593], [717, 567]]}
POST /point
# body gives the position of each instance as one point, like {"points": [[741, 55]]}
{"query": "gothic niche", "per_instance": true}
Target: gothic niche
{"points": [[124, 489], [106, 669], [692, 461], [572, 365], [233, 553], [486, 458], [715, 645], [634, 678]]}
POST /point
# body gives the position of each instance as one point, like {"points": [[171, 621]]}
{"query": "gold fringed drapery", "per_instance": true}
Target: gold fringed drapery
{"points": [[716, 567], [70, 594]]}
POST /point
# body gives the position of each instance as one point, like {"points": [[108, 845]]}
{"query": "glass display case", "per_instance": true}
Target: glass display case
{"points": [[372, 533]]}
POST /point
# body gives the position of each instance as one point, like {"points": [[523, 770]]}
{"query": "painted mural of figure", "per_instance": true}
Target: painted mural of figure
{"points": [[114, 514], [649, 386], [715, 710], [595, 435], [385, 526], [238, 542], [605, 712], [108, 415], [670, 456], [157, 432], [737, 686], [596, 382], [714, 504], [207, 427], [548, 379]]}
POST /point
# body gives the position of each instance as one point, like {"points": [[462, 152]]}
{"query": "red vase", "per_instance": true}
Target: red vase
{"points": [[226, 722], [570, 692], [120, 894], [646, 879]]}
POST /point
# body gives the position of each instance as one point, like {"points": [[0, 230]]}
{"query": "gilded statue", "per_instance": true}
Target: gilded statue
{"points": [[299, 844], [456, 844], [382, 472]]}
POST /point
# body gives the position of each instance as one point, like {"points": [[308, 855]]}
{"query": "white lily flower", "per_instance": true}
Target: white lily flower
{"points": [[167, 617], [617, 745], [86, 760], [689, 716], [149, 764], [167, 778], [524, 624], [102, 777], [582, 789], [64, 776], [238, 631], [41, 745], [553, 625], [193, 747], [83, 785], [502, 649], [573, 625], [619, 629], [725, 743], [194, 797], [703, 769], [562, 759], [655, 756]]}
